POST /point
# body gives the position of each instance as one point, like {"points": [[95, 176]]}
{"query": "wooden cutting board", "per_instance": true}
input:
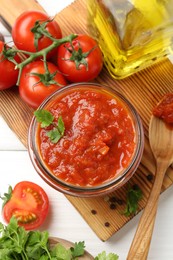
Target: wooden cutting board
{"points": [[143, 90]]}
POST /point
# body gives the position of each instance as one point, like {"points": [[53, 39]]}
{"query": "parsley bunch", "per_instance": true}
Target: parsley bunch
{"points": [[18, 244]]}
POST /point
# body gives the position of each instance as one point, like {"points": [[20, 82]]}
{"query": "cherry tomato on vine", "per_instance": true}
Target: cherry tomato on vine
{"points": [[28, 28], [35, 84], [8, 73], [28, 203], [80, 61]]}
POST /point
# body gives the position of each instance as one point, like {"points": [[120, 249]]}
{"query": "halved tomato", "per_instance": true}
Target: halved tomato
{"points": [[28, 203]]}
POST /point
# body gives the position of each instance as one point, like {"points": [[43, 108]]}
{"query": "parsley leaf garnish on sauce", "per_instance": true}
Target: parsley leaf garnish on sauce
{"points": [[134, 194], [44, 117], [47, 119]]}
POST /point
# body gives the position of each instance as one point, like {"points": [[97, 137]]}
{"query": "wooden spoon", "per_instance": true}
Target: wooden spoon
{"points": [[161, 142], [1, 37]]}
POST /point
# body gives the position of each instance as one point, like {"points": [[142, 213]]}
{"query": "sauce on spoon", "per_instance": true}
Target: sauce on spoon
{"points": [[164, 109]]}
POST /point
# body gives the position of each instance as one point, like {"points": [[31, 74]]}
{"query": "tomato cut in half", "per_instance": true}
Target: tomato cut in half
{"points": [[28, 203]]}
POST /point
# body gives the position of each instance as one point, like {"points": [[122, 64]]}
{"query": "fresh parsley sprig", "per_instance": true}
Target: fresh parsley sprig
{"points": [[17, 243], [78, 249], [134, 194], [47, 119]]}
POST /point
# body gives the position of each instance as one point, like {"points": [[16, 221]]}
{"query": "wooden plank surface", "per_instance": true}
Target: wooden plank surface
{"points": [[143, 90]]}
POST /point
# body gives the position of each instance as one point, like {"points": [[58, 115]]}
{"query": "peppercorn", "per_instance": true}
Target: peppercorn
{"points": [[93, 211], [107, 224], [149, 177], [112, 206]]}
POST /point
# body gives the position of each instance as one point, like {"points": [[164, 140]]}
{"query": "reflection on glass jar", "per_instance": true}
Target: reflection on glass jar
{"points": [[132, 34]]}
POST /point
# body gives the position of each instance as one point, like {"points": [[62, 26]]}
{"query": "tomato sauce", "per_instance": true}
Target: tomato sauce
{"points": [[164, 109], [99, 139]]}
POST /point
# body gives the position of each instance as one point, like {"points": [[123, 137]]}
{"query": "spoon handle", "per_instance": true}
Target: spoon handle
{"points": [[141, 241]]}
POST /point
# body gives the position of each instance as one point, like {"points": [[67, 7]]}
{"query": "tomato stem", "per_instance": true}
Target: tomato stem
{"points": [[78, 56], [47, 73], [43, 53], [39, 30]]}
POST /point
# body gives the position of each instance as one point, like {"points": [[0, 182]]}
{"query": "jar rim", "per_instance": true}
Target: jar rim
{"points": [[95, 190]]}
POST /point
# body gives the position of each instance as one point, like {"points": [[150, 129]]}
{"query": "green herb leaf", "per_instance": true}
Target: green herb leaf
{"points": [[61, 253], [54, 135], [78, 249], [37, 245], [103, 256], [61, 126], [44, 117], [13, 238], [134, 194], [7, 196]]}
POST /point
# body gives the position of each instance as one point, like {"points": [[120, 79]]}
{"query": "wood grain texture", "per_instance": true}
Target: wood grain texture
{"points": [[9, 9], [143, 90]]}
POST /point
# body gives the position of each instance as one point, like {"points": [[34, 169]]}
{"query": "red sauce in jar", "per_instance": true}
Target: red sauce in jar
{"points": [[99, 139], [164, 109]]}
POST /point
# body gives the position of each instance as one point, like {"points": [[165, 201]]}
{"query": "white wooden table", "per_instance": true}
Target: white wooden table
{"points": [[63, 220]]}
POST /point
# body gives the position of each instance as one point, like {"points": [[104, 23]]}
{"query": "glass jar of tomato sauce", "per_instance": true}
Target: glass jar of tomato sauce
{"points": [[132, 34], [101, 145]]}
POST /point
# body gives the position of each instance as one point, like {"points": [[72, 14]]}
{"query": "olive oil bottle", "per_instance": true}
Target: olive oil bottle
{"points": [[133, 34]]}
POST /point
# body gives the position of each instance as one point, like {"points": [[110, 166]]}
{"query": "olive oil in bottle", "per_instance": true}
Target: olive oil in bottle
{"points": [[133, 34]]}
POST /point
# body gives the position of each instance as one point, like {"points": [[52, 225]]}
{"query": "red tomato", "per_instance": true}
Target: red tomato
{"points": [[23, 37], [8, 73], [28, 203], [75, 63], [33, 90]]}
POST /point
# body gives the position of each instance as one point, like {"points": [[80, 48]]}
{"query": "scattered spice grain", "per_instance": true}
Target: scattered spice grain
{"points": [[113, 199], [149, 177], [107, 224], [93, 211], [112, 206]]}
